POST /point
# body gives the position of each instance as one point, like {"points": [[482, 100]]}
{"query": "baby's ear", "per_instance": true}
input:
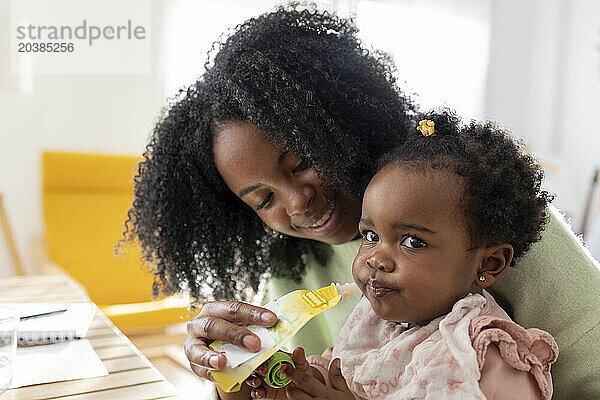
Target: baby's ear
{"points": [[494, 263]]}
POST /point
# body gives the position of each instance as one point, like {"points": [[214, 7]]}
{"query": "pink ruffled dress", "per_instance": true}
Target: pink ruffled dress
{"points": [[474, 352]]}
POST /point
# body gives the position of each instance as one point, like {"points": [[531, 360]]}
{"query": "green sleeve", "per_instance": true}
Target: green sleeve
{"points": [[320, 332], [556, 287]]}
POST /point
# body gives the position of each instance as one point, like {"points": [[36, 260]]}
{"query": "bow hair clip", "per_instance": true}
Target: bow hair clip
{"points": [[427, 127]]}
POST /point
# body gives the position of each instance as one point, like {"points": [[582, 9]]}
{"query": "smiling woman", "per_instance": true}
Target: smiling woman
{"points": [[281, 129], [286, 192]]}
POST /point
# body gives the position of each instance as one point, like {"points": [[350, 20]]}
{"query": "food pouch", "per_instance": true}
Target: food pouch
{"points": [[293, 310]]}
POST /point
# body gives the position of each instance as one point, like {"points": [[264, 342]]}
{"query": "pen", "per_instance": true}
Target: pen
{"points": [[42, 314]]}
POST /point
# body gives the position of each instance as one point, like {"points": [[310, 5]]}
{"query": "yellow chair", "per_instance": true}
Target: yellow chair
{"points": [[85, 199]]}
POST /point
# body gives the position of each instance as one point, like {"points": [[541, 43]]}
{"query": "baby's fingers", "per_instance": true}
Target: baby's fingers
{"points": [[335, 376], [262, 370], [302, 375], [299, 359], [254, 381]]}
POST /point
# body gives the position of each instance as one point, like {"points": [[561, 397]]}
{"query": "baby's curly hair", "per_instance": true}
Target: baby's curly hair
{"points": [[502, 197], [305, 80]]}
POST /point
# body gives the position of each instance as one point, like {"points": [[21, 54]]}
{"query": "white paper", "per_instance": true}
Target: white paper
{"points": [[237, 355], [65, 361]]}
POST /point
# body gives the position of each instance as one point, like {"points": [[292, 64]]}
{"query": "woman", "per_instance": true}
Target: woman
{"points": [[282, 133], [286, 124]]}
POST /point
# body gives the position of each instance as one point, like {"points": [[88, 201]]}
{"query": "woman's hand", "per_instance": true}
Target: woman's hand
{"points": [[219, 320]]}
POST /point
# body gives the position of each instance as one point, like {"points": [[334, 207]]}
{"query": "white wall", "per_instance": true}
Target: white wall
{"points": [[544, 84], [84, 113], [580, 139], [440, 48]]}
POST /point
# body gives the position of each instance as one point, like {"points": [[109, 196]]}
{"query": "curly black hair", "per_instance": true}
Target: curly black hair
{"points": [[305, 80], [502, 197]]}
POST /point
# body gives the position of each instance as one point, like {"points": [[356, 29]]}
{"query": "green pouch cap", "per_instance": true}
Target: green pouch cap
{"points": [[274, 378]]}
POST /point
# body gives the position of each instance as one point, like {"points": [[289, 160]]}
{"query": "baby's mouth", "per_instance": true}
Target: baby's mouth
{"points": [[377, 288]]}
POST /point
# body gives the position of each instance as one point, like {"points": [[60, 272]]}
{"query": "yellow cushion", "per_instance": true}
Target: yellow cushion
{"points": [[85, 199], [88, 172], [82, 230]]}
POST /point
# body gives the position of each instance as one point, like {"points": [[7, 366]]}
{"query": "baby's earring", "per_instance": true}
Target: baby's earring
{"points": [[268, 229], [481, 278]]}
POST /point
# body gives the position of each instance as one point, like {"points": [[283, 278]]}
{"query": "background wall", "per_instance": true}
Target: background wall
{"points": [[544, 83], [71, 112], [532, 65]]}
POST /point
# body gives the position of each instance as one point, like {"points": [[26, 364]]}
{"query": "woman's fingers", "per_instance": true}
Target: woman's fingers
{"points": [[197, 352], [268, 393], [202, 372], [238, 312], [219, 321], [211, 328]]}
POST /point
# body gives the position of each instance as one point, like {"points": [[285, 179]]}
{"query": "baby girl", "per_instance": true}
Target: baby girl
{"points": [[445, 217]]}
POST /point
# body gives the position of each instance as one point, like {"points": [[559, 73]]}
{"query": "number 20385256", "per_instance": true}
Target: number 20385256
{"points": [[36, 47]]}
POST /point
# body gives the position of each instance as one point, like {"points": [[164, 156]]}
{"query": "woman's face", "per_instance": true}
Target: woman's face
{"points": [[282, 189]]}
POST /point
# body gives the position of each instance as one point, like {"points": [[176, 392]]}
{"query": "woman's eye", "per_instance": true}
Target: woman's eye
{"points": [[371, 236], [413, 242], [301, 166], [265, 202]]}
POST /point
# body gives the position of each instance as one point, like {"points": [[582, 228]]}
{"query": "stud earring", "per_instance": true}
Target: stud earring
{"points": [[267, 229], [481, 278]]}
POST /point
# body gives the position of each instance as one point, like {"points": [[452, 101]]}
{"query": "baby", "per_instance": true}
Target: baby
{"points": [[446, 215]]}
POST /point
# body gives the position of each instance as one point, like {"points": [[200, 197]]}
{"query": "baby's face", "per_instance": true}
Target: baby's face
{"points": [[415, 260]]}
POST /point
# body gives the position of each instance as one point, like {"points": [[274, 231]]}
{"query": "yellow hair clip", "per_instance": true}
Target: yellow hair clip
{"points": [[427, 127]]}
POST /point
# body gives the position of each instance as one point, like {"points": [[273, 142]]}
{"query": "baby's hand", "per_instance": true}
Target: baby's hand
{"points": [[260, 389], [306, 385], [263, 391]]}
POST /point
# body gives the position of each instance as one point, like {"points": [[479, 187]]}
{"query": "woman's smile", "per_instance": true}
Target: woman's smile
{"points": [[325, 217], [284, 190], [328, 222]]}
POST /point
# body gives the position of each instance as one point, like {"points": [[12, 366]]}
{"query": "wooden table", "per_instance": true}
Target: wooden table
{"points": [[131, 375]]}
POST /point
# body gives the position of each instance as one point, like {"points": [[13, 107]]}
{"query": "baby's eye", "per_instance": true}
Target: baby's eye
{"points": [[413, 242], [265, 202], [370, 236]]}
